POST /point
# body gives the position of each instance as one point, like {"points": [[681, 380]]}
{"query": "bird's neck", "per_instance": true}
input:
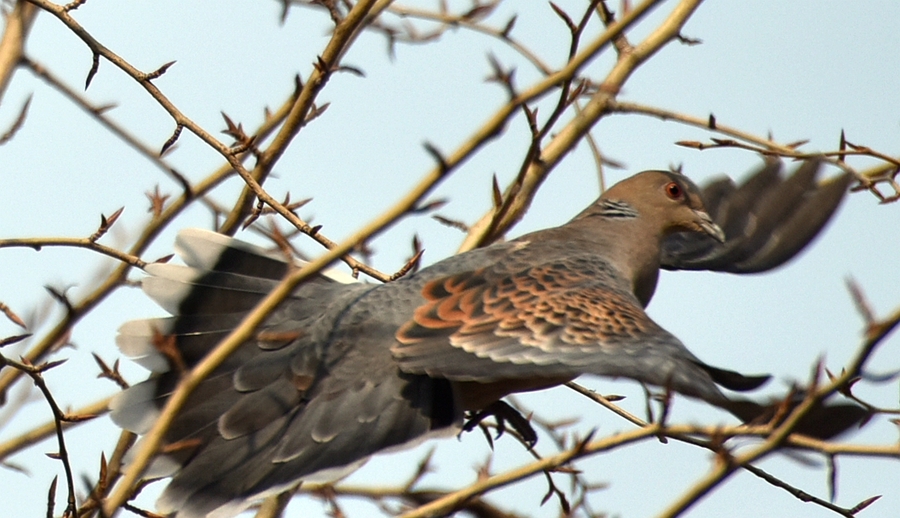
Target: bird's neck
{"points": [[633, 246], [644, 278]]}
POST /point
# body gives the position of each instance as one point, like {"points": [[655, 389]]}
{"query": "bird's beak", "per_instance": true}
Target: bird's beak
{"points": [[708, 227]]}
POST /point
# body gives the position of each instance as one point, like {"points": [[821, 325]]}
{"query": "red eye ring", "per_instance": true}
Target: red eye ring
{"points": [[674, 191]]}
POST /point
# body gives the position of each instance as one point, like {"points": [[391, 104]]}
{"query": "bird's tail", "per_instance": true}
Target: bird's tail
{"points": [[221, 280]]}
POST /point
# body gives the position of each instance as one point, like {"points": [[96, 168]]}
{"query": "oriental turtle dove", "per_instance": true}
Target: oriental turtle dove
{"points": [[340, 371]]}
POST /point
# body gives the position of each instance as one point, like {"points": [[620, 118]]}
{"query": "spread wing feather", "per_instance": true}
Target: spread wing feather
{"points": [[767, 220]]}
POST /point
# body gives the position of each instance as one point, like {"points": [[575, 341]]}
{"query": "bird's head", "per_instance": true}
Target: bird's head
{"points": [[669, 199]]}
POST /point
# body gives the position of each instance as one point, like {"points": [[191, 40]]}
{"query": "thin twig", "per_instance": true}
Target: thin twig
{"points": [[59, 417], [38, 243], [487, 229]]}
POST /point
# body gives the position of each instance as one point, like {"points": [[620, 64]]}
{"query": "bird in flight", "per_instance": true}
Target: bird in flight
{"points": [[342, 370]]}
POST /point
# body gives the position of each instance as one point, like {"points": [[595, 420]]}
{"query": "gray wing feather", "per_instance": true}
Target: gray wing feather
{"points": [[254, 410], [767, 221]]}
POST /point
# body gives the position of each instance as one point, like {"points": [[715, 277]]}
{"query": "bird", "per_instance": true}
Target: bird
{"points": [[342, 370]]}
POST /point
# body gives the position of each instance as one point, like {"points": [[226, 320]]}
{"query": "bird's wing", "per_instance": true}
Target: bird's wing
{"points": [[565, 317], [767, 220]]}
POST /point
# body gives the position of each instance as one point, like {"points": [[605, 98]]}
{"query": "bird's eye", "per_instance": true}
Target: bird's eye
{"points": [[673, 190]]}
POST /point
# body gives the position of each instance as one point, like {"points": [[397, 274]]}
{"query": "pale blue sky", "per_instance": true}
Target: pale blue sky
{"points": [[799, 69]]}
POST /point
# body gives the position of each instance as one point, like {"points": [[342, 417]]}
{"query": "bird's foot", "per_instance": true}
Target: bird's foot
{"points": [[504, 414]]}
